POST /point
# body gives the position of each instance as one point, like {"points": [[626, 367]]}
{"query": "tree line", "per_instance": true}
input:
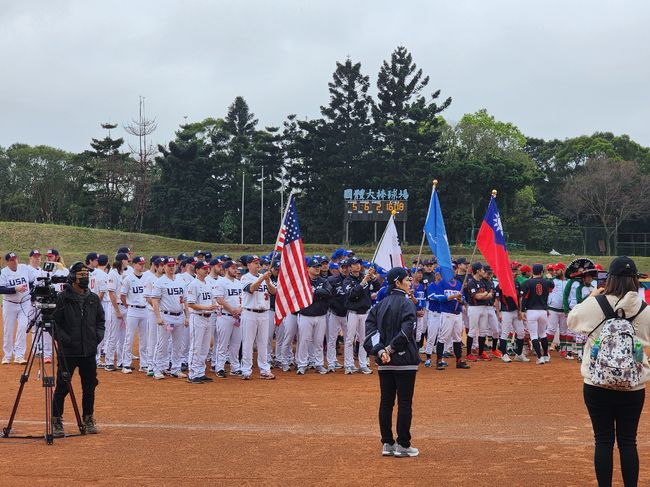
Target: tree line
{"points": [[191, 187]]}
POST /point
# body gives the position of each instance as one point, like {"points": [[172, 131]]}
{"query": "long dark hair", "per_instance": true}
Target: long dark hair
{"points": [[619, 286]]}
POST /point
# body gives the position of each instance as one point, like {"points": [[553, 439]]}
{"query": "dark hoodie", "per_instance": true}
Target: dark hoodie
{"points": [[79, 322]]}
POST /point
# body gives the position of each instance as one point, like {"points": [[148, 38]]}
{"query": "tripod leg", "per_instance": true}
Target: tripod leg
{"points": [[60, 358], [24, 377]]}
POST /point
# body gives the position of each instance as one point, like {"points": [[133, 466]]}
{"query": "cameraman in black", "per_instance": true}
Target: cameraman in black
{"points": [[79, 318]]}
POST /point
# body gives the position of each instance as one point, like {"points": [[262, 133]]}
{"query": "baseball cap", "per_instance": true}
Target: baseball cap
{"points": [[538, 268], [313, 262], [487, 268], [159, 260], [34, 252], [334, 266], [250, 259], [428, 262], [52, 252], [121, 256], [124, 250], [228, 264], [526, 268], [201, 265], [11, 256], [208, 256], [396, 274], [138, 260], [265, 260], [198, 252], [170, 261], [348, 252], [515, 265], [181, 256], [461, 260], [216, 261], [89, 257], [550, 267], [276, 264], [355, 260], [560, 266], [476, 266], [624, 266], [102, 259], [344, 262], [153, 259]]}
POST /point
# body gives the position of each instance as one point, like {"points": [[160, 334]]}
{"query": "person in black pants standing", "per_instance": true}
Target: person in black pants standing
{"points": [[615, 413], [79, 328], [390, 337]]}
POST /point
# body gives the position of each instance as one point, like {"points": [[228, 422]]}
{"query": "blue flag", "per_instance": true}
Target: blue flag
{"points": [[434, 228]]}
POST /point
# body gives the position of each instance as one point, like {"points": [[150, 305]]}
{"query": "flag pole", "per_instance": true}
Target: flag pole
{"points": [[417, 263], [374, 256], [284, 216]]}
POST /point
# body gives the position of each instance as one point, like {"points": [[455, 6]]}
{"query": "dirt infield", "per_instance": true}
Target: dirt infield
{"points": [[496, 424]]}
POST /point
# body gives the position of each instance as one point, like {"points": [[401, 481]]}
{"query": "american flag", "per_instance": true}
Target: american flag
{"points": [[294, 287], [280, 243]]}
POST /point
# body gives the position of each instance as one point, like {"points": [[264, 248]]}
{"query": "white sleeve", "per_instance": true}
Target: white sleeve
{"points": [[126, 283], [220, 289], [192, 292], [156, 290]]}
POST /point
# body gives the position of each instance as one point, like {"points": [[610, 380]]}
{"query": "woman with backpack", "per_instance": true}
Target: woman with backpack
{"points": [[615, 369]]}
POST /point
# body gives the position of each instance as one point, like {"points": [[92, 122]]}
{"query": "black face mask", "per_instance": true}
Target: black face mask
{"points": [[84, 282]]}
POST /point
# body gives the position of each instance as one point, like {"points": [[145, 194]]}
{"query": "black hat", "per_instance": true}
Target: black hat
{"points": [[208, 255], [202, 265], [139, 260], [199, 252], [121, 256], [461, 260], [52, 252], [34, 252], [396, 274], [123, 250], [355, 260], [153, 259], [10, 256], [181, 256], [228, 264], [487, 268], [624, 266], [476, 266], [538, 269]]}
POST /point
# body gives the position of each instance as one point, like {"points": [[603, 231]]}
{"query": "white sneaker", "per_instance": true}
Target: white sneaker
{"points": [[506, 359], [350, 370], [540, 361], [158, 376], [337, 365], [569, 357], [547, 358], [365, 370], [387, 450], [6, 361], [521, 358], [126, 370], [20, 360], [401, 451]]}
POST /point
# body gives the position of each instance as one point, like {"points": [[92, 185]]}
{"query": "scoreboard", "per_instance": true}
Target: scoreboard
{"points": [[375, 210]]}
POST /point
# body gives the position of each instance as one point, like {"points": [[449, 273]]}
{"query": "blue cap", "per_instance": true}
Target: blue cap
{"points": [[437, 270], [365, 263], [313, 262], [264, 260], [215, 261], [334, 266]]}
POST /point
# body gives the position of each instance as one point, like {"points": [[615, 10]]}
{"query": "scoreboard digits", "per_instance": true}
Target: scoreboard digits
{"points": [[375, 210]]}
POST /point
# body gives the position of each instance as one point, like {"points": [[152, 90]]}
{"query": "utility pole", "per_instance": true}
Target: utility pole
{"points": [[243, 173], [262, 211]]}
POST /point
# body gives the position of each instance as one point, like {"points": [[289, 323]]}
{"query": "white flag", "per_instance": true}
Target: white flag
{"points": [[389, 253]]}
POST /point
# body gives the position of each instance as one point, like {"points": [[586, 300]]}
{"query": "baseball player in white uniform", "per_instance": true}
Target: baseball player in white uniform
{"points": [[100, 276], [37, 272], [201, 307], [168, 300], [254, 320], [115, 331], [132, 295], [290, 325], [186, 277], [228, 292], [212, 278], [148, 278], [16, 308]]}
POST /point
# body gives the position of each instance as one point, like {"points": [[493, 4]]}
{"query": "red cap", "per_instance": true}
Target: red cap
{"points": [[599, 267], [515, 265], [560, 266], [526, 268], [550, 267]]}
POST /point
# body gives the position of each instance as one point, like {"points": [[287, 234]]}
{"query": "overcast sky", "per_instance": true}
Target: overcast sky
{"points": [[556, 69]]}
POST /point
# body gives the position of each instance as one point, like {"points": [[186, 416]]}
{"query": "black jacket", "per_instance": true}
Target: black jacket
{"points": [[393, 322], [79, 323], [337, 303], [357, 296], [322, 294]]}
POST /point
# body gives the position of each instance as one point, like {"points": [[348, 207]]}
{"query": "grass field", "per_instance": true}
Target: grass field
{"points": [[75, 242]]}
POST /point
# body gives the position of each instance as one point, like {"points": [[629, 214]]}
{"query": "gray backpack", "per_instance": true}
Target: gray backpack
{"points": [[616, 362]]}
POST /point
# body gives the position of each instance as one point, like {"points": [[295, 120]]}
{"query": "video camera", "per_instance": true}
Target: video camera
{"points": [[43, 295]]}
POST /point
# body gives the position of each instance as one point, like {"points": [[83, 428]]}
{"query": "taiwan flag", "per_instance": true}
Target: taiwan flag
{"points": [[491, 243]]}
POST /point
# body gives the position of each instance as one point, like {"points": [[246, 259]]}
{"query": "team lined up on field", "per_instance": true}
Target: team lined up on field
{"points": [[189, 310]]}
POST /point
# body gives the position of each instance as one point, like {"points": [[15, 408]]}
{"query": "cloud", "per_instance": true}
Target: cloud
{"points": [[555, 69]]}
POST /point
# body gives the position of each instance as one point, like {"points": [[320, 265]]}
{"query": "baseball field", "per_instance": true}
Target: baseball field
{"points": [[496, 424]]}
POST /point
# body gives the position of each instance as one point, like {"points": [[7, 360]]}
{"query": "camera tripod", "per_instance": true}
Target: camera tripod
{"points": [[47, 372]]}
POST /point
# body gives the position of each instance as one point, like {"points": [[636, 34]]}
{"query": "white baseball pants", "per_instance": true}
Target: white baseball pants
{"points": [[229, 341], [356, 329], [15, 317], [255, 329], [161, 358], [200, 336], [135, 321], [334, 325], [311, 333]]}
